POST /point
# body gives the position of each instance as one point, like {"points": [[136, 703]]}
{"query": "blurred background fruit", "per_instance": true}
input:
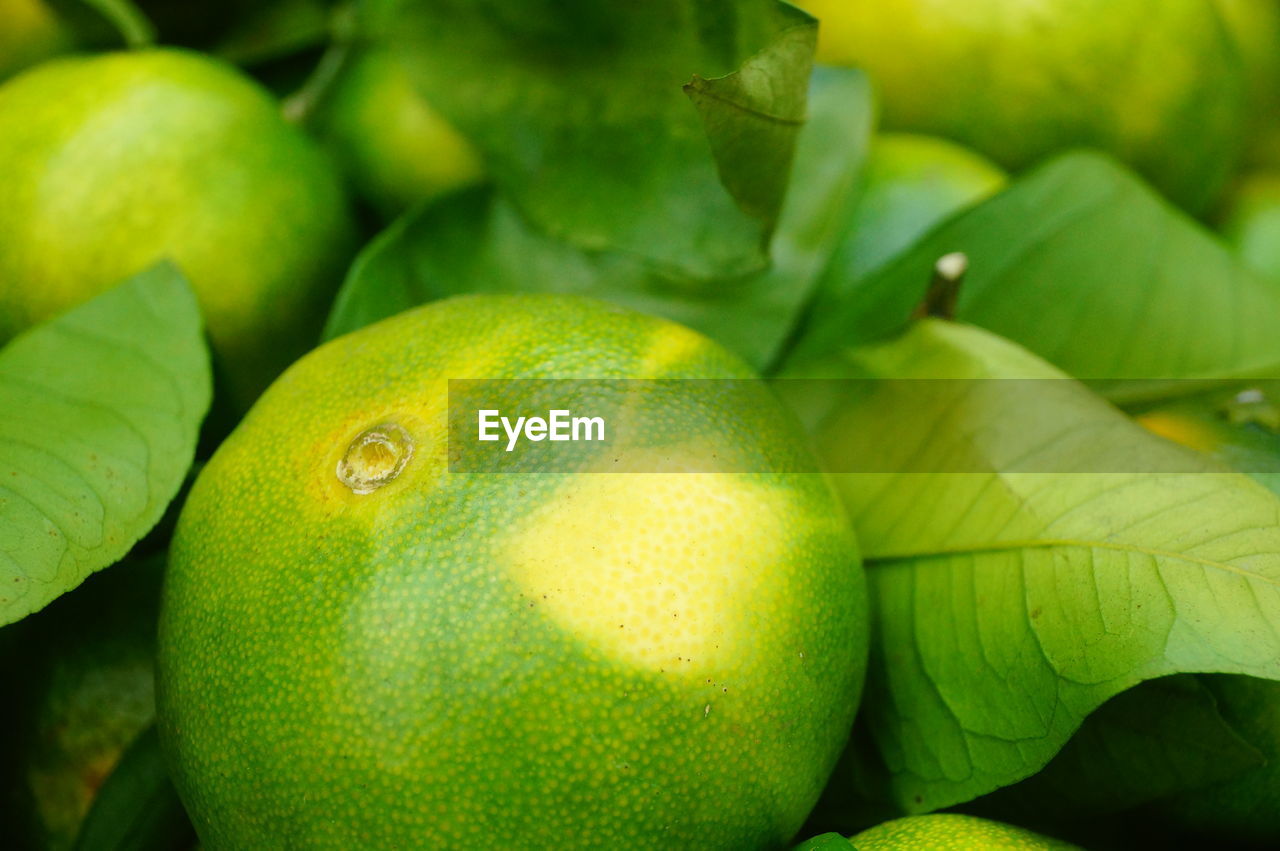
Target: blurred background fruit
{"points": [[116, 161], [35, 30], [1158, 84], [31, 33], [395, 149], [81, 678], [137, 808]]}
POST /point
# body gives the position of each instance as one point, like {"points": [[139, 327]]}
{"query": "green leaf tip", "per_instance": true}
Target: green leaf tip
{"points": [[753, 118]]}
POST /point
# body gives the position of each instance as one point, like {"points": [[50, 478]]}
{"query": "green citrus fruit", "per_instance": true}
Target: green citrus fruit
{"points": [[31, 34], [395, 148], [948, 832], [113, 162], [84, 669], [649, 659], [1255, 24], [1159, 85], [911, 183], [1252, 221]]}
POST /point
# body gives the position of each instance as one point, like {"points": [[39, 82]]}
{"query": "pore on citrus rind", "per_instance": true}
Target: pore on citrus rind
{"points": [[114, 162], [363, 648]]}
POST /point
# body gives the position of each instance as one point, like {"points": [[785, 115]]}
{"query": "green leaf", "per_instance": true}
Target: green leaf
{"points": [[1242, 808], [1032, 552], [102, 408], [753, 117], [478, 242], [1086, 266], [1156, 739], [581, 112], [137, 808]]}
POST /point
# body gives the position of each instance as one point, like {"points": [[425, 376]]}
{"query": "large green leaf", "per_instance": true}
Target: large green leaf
{"points": [[478, 242], [1032, 553], [582, 113], [1086, 266], [102, 407]]}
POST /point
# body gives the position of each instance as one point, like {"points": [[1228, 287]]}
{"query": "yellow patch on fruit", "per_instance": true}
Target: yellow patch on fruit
{"points": [[614, 558], [1182, 430], [669, 347]]}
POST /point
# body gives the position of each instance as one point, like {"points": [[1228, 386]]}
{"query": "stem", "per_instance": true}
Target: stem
{"points": [[299, 107], [944, 288]]}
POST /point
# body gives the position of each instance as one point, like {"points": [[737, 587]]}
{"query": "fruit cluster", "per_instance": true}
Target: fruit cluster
{"points": [[931, 351]]}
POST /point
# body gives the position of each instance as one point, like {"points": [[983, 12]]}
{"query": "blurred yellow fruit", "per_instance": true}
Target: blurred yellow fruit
{"points": [[1157, 84], [396, 149], [114, 162], [29, 33]]}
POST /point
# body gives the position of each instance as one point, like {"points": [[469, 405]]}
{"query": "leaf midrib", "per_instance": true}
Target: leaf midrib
{"points": [[1068, 543]]}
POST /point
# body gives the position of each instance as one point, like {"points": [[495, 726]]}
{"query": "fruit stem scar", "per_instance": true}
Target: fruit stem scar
{"points": [[375, 457]]}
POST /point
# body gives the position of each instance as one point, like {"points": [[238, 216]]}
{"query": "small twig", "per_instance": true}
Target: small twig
{"points": [[300, 106], [944, 288]]}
